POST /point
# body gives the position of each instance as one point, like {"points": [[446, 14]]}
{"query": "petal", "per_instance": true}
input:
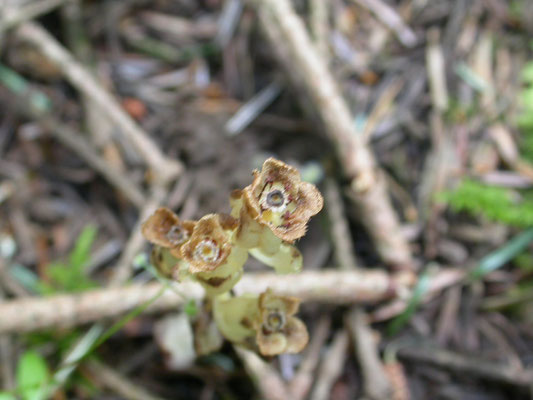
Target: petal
{"points": [[312, 199], [288, 221], [271, 344], [208, 232], [158, 228], [297, 336], [269, 301]]}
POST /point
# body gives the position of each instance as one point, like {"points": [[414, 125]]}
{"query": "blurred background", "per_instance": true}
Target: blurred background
{"points": [[413, 117]]}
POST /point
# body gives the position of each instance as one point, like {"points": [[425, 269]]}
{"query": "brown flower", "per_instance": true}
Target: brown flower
{"points": [[210, 243], [278, 199], [165, 229], [277, 330]]}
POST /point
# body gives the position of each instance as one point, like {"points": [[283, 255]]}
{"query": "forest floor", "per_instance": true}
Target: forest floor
{"points": [[414, 118]]}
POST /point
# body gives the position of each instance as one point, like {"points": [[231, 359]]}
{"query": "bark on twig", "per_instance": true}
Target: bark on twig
{"points": [[13, 16], [302, 382], [60, 311], [340, 230], [332, 366], [444, 279], [392, 19], [375, 381], [165, 169], [119, 384], [266, 379], [468, 365], [289, 40]]}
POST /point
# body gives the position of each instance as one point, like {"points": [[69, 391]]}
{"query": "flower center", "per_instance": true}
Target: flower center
{"points": [[275, 200], [275, 321], [177, 235], [207, 251]]}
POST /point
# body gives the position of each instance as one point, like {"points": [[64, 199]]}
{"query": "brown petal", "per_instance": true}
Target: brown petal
{"points": [[287, 304], [165, 229], [296, 334], [271, 344], [208, 233], [312, 200], [306, 200], [278, 170]]}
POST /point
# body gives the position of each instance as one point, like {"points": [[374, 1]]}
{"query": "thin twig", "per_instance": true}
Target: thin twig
{"points": [[390, 18], [123, 268], [17, 15], [34, 104], [75, 141], [332, 366], [329, 286], [340, 230], [375, 381], [6, 357], [164, 168], [266, 379], [319, 24], [444, 279], [467, 365], [436, 69], [98, 125], [293, 47], [252, 109], [302, 382], [125, 388]]}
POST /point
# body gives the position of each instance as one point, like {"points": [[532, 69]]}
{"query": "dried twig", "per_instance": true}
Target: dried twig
{"points": [[332, 366], [75, 141], [122, 270], [35, 105], [469, 365], [30, 314], [119, 384], [13, 16], [301, 384], [390, 17], [307, 70], [319, 24], [266, 379], [436, 71], [252, 109], [375, 381], [98, 125], [444, 279], [6, 357], [79, 77], [340, 230]]}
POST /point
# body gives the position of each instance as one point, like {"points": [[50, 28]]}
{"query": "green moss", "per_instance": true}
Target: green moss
{"points": [[492, 202]]}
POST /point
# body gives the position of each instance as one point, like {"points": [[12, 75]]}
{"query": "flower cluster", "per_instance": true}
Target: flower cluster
{"points": [[266, 218]]}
